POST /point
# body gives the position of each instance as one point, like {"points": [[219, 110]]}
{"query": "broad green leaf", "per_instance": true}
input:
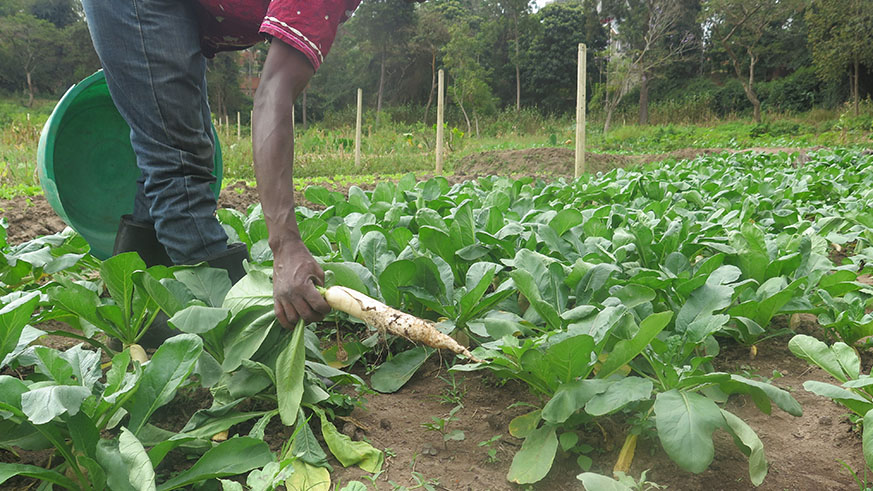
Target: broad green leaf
{"points": [[140, 471], [117, 274], [394, 373], [781, 397], [565, 220], [522, 426], [619, 394], [307, 477], [597, 482], [399, 273], [528, 287], [43, 404], [171, 364], [13, 317], [534, 460], [349, 452], [817, 353], [571, 397], [847, 398], [197, 319], [210, 285], [848, 359], [245, 334], [162, 295], [632, 295], [685, 422], [571, 357], [626, 350], [290, 367], [747, 441], [229, 458], [159, 451], [306, 446], [255, 289], [9, 470], [867, 438]]}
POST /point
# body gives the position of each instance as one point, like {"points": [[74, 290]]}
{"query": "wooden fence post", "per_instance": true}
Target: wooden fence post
{"points": [[439, 123], [358, 122], [580, 111]]}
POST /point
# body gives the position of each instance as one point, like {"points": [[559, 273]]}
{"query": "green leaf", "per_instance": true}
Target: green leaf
{"points": [[197, 319], [847, 398], [528, 287], [162, 295], [619, 394], [8, 471], [348, 452], [571, 357], [255, 289], [290, 367], [306, 446], [781, 397], [245, 334], [747, 441], [394, 373], [117, 274], [354, 486], [139, 467], [522, 426], [597, 482], [229, 458], [571, 397], [171, 364], [867, 438], [816, 352], [211, 285], [685, 422], [565, 220], [43, 404], [626, 350], [534, 460], [13, 317], [397, 274]]}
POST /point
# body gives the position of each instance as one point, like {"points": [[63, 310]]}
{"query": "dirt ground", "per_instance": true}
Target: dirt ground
{"points": [[804, 453]]}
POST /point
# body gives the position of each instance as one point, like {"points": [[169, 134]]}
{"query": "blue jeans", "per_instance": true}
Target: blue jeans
{"points": [[156, 73]]}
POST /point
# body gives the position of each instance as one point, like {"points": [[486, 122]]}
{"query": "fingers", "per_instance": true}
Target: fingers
{"points": [[307, 304]]}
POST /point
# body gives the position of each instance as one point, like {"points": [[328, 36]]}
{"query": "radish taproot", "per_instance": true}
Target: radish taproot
{"points": [[390, 320]]}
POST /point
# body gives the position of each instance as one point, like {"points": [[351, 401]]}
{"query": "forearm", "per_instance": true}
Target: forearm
{"points": [[285, 75]]}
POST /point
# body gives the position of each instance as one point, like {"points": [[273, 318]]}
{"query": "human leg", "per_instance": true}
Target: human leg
{"points": [[150, 50]]}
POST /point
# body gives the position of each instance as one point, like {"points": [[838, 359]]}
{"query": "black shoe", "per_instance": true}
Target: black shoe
{"points": [[140, 237], [231, 261]]}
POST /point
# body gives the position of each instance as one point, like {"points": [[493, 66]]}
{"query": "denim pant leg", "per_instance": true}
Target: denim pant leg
{"points": [[156, 73]]}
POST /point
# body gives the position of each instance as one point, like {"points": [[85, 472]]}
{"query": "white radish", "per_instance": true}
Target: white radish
{"points": [[390, 320]]}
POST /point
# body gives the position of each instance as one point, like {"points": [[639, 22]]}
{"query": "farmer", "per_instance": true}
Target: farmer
{"points": [[154, 54]]}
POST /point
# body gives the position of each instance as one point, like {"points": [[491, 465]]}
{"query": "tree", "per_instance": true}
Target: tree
{"points": [[388, 27], [431, 35], [549, 65], [468, 86], [839, 32], [739, 26], [648, 40], [515, 11], [28, 44]]}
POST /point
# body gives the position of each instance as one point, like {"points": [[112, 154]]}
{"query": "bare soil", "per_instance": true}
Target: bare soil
{"points": [[804, 453]]}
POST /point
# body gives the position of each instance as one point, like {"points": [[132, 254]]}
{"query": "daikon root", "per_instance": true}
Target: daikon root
{"points": [[390, 320], [138, 354]]}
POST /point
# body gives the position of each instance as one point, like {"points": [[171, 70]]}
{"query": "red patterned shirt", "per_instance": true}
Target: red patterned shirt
{"points": [[309, 26]]}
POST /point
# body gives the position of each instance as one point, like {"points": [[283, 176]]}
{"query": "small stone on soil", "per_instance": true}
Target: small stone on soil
{"points": [[385, 424]]}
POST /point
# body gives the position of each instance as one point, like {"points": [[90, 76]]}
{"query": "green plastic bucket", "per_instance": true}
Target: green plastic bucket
{"points": [[86, 163]]}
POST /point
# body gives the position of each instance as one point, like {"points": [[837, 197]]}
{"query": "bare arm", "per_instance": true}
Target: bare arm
{"points": [[285, 75]]}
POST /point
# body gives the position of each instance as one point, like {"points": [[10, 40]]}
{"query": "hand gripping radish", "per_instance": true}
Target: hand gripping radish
{"points": [[390, 320]]}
